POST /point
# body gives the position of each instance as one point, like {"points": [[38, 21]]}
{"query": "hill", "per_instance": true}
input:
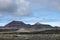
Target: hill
{"points": [[19, 26]]}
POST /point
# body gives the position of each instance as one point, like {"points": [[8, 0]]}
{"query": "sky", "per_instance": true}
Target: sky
{"points": [[30, 11]]}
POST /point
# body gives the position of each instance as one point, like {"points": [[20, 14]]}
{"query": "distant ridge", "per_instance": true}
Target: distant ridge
{"points": [[40, 26], [20, 24]]}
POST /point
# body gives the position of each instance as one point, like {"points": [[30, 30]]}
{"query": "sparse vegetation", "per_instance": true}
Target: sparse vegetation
{"points": [[30, 37], [50, 32], [17, 30]]}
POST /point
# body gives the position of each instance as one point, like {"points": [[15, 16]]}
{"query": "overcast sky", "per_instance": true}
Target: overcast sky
{"points": [[30, 11]]}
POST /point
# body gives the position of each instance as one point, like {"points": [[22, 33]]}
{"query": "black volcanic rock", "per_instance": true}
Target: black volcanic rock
{"points": [[16, 24]]}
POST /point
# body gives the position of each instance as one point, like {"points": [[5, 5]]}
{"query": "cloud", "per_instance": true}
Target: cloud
{"points": [[45, 4], [15, 7], [25, 7], [7, 6]]}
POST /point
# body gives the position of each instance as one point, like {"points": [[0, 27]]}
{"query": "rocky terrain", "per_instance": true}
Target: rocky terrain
{"points": [[19, 26], [18, 30]]}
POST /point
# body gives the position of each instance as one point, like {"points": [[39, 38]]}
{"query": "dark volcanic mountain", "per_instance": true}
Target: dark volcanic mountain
{"points": [[40, 26], [16, 24], [20, 24]]}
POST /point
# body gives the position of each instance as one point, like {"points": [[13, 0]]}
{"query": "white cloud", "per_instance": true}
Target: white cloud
{"points": [[45, 4], [4, 3], [15, 7], [0, 15], [7, 6], [25, 7]]}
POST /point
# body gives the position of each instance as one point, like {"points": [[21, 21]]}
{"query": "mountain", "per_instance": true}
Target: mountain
{"points": [[16, 24], [40, 26], [20, 26]]}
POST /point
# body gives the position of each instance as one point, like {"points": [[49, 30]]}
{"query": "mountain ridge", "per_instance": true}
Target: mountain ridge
{"points": [[20, 24]]}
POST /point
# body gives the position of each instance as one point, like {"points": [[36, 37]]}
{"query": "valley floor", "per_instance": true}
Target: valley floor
{"points": [[29, 36]]}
